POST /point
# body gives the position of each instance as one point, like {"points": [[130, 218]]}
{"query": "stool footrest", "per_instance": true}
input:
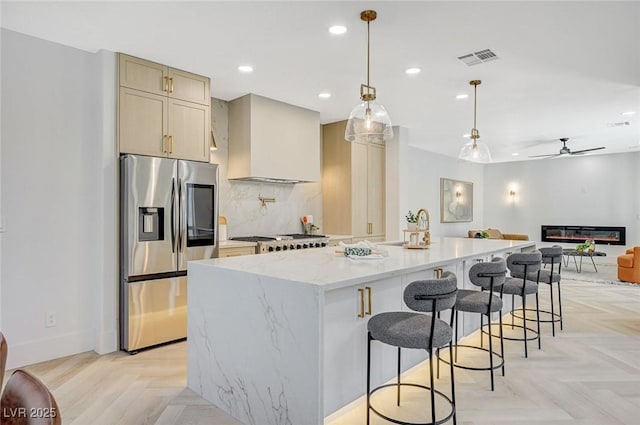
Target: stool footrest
{"points": [[556, 316], [533, 331], [406, 384], [473, 347]]}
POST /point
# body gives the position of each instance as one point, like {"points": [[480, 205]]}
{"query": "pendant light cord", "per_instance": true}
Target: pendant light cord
{"points": [[368, 52], [475, 100]]}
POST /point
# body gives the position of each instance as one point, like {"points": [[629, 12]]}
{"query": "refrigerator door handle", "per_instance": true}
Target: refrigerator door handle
{"points": [[181, 211], [173, 215]]}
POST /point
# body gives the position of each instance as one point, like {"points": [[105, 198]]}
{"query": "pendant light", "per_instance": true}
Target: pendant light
{"points": [[474, 150], [368, 118]]}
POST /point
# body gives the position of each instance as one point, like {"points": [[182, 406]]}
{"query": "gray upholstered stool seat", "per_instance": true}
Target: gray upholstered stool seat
{"points": [[490, 277], [408, 330], [546, 276], [477, 301], [514, 286], [404, 329]]}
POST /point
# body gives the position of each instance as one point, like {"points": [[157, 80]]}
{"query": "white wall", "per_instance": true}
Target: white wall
{"points": [[57, 195], [598, 190], [423, 188]]}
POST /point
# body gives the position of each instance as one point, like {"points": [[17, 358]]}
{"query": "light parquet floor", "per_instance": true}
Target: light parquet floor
{"points": [[589, 374]]}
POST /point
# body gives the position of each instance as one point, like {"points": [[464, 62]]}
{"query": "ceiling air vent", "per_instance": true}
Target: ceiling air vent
{"points": [[475, 58]]}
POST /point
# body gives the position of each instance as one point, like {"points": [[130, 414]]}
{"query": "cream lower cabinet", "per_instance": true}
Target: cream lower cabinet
{"points": [[353, 185], [163, 111], [236, 251], [346, 314]]}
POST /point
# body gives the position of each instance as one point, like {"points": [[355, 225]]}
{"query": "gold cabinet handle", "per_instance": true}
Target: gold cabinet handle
{"points": [[171, 85], [368, 288], [166, 83], [438, 272], [361, 302], [479, 260], [171, 144]]}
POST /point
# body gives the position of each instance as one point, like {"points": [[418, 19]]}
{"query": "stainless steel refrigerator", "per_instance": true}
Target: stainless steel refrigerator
{"points": [[168, 216]]}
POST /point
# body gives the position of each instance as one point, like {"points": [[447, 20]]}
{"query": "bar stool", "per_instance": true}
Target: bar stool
{"points": [[551, 256], [417, 330], [489, 277], [525, 274]]}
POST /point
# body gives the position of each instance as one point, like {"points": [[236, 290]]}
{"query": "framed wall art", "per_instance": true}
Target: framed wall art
{"points": [[456, 201]]}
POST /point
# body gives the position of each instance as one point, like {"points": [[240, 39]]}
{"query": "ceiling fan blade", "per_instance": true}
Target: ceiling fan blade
{"points": [[586, 150], [544, 156]]}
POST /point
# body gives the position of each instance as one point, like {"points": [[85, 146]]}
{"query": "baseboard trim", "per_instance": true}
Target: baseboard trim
{"points": [[26, 353]]}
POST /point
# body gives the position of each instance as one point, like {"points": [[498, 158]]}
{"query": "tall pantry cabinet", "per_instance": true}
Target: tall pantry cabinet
{"points": [[353, 185], [163, 111]]}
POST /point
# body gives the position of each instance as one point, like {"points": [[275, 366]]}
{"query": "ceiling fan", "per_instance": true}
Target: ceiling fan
{"points": [[564, 151]]}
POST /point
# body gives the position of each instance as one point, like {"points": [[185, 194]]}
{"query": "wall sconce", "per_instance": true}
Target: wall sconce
{"points": [[513, 192], [213, 145]]}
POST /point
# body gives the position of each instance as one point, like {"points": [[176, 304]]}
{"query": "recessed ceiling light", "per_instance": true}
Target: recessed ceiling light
{"points": [[324, 95], [337, 29], [412, 71], [629, 113], [515, 154], [245, 68], [462, 96]]}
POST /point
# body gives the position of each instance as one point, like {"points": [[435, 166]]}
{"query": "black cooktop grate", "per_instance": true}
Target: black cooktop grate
{"points": [[252, 239]]}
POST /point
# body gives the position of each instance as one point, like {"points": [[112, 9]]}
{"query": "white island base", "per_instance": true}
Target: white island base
{"points": [[280, 338]]}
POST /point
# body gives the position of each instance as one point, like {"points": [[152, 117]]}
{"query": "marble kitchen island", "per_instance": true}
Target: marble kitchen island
{"points": [[280, 338]]}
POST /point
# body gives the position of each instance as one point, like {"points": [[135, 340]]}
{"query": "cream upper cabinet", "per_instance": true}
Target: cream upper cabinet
{"points": [[163, 111], [142, 123], [189, 122], [353, 185], [189, 87]]}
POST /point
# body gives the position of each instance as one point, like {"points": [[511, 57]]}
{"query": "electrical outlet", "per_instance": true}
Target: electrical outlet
{"points": [[50, 319]]}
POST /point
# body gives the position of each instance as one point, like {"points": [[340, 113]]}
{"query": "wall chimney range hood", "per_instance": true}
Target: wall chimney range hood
{"points": [[272, 141]]}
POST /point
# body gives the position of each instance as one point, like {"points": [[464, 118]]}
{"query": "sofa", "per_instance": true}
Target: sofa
{"points": [[629, 266], [497, 234]]}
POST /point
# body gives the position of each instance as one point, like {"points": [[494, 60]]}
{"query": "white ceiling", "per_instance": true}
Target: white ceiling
{"points": [[565, 68]]}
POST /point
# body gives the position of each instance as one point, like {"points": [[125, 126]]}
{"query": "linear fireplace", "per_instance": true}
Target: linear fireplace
{"points": [[606, 235]]}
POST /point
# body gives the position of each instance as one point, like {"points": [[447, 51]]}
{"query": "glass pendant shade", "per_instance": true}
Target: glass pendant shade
{"points": [[475, 151], [369, 120]]}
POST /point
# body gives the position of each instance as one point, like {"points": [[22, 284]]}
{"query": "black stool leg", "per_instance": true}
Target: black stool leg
{"points": [[368, 375], [456, 332], [398, 396], [432, 391], [501, 343], [481, 332], [560, 305], [538, 320], [553, 316], [524, 326], [453, 385], [513, 308], [490, 348]]}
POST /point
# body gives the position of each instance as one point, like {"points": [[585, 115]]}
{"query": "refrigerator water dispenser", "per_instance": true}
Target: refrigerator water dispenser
{"points": [[150, 224]]}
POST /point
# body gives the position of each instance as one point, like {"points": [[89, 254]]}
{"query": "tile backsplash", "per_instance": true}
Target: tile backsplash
{"points": [[239, 200]]}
